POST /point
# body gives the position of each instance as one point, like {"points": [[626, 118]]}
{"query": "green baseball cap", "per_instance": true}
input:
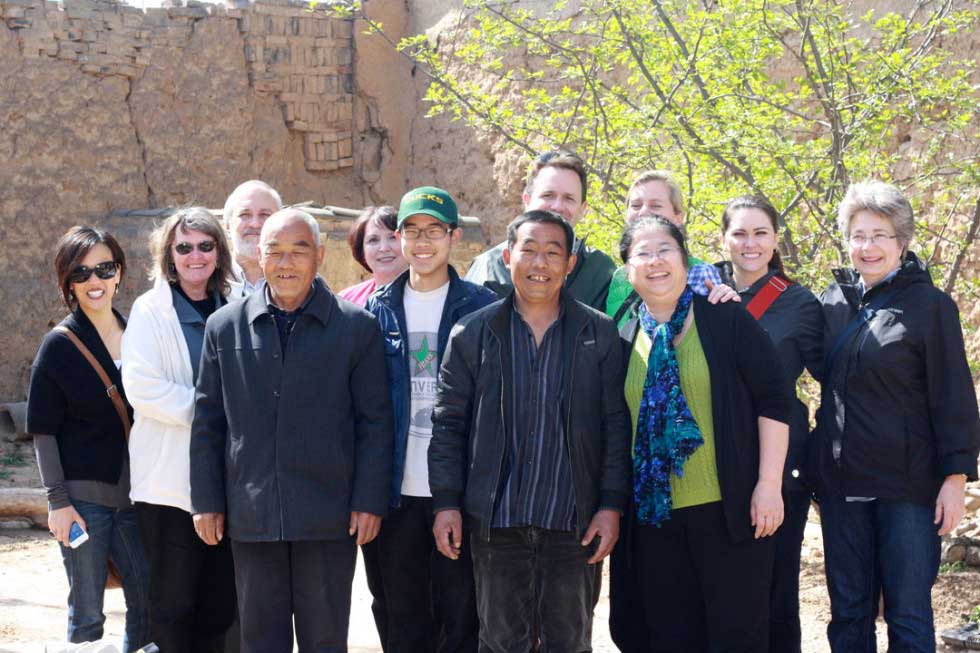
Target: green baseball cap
{"points": [[428, 200]]}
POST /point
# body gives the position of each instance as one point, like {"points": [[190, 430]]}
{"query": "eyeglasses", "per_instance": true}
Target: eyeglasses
{"points": [[642, 258], [860, 240], [105, 270], [432, 232], [204, 247]]}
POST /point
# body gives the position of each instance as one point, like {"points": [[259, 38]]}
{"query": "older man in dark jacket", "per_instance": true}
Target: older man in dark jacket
{"points": [[292, 443], [531, 438]]}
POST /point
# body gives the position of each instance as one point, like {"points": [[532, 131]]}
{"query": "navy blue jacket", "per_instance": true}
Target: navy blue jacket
{"points": [[288, 441], [387, 304]]}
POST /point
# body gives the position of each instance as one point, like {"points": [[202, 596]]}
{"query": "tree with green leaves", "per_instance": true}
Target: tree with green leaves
{"points": [[788, 99]]}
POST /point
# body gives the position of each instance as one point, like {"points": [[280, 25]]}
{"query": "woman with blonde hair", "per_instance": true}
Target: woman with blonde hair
{"points": [[192, 602]]}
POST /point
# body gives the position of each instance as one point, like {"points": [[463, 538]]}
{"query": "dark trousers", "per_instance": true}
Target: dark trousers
{"points": [[192, 585], [627, 617], [309, 581], [701, 591], [784, 600], [429, 600], [533, 583], [874, 546], [372, 569]]}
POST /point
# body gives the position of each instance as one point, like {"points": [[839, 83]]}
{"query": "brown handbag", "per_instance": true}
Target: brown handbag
{"points": [[113, 578]]}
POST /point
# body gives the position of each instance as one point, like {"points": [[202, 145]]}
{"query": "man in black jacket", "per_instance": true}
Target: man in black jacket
{"points": [[531, 438], [292, 443]]}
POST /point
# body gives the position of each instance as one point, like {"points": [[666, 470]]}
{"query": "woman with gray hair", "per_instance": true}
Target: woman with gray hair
{"points": [[192, 597], [897, 433]]}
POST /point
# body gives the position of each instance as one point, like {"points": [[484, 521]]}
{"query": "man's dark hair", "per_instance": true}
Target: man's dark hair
{"points": [[542, 217], [645, 224], [558, 159]]}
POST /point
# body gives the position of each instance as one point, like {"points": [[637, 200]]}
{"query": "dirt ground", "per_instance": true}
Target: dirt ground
{"points": [[33, 588]]}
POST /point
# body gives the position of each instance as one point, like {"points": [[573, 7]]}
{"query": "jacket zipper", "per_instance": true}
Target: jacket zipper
{"points": [[500, 458], [568, 422]]}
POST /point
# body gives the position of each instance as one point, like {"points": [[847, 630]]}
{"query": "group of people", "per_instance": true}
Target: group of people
{"points": [[489, 440]]}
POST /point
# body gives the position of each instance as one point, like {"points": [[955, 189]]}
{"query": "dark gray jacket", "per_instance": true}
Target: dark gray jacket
{"points": [[288, 443], [794, 322], [471, 418]]}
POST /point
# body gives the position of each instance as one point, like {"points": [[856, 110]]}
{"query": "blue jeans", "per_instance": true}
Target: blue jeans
{"points": [[112, 534], [899, 541], [784, 599]]}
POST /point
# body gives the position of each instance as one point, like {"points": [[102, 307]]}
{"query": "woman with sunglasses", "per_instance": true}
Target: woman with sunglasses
{"points": [[80, 438], [193, 600]]}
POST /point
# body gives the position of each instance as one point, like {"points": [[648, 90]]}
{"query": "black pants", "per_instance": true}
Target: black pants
{"points": [[531, 583], [700, 590], [192, 585], [429, 600], [372, 569], [309, 581], [627, 618], [784, 602]]}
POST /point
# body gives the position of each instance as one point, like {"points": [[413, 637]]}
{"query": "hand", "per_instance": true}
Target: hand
{"points": [[767, 507], [210, 527], [60, 521], [448, 531], [950, 504], [365, 525], [721, 293], [605, 524]]}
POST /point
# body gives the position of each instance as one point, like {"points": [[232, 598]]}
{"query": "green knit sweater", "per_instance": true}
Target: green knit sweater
{"points": [[699, 484]]}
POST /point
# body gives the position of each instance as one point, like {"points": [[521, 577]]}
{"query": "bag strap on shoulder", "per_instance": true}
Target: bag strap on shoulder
{"points": [[110, 388], [775, 287], [864, 315]]}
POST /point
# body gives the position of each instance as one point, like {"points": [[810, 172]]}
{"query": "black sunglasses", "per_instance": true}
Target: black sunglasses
{"points": [[106, 270], [204, 247]]}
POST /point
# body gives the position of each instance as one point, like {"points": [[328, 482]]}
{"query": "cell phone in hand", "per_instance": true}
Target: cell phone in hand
{"points": [[76, 536]]}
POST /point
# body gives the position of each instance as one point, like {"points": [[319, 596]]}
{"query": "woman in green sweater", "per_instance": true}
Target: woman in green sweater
{"points": [[710, 412]]}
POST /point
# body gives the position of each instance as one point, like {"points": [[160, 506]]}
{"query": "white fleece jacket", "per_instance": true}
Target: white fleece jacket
{"points": [[159, 382]]}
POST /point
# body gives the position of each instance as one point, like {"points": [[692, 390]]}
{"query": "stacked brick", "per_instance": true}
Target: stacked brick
{"points": [[301, 57], [305, 59]]}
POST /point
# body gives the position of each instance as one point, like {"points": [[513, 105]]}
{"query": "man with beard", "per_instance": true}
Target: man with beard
{"points": [[246, 210]]}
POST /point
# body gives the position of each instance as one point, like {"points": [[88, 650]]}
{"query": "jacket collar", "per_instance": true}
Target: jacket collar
{"points": [[575, 315], [320, 305], [393, 294], [912, 271]]}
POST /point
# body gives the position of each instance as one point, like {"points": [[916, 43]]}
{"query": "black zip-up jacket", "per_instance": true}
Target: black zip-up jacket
{"points": [[472, 416], [388, 305], [899, 402], [794, 322]]}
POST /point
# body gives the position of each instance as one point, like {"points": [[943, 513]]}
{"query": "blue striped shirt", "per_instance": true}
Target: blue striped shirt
{"points": [[537, 475]]}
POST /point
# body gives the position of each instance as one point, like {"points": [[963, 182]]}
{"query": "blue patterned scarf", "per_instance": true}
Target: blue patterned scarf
{"points": [[666, 433]]}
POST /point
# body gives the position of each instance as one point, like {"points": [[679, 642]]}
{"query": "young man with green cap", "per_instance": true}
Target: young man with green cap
{"points": [[429, 599]]}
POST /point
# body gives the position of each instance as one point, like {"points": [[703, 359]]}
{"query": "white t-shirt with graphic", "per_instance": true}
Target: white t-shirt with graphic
{"points": [[423, 311]]}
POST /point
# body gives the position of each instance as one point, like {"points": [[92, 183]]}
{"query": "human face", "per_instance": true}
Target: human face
{"points": [[539, 262], [382, 252], [652, 198], [661, 278], [196, 267], [558, 190], [427, 257], [874, 260], [95, 295], [247, 217], [750, 241], [290, 258]]}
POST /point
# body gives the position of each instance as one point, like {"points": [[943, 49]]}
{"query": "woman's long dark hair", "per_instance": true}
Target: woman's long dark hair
{"points": [[760, 203]]}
